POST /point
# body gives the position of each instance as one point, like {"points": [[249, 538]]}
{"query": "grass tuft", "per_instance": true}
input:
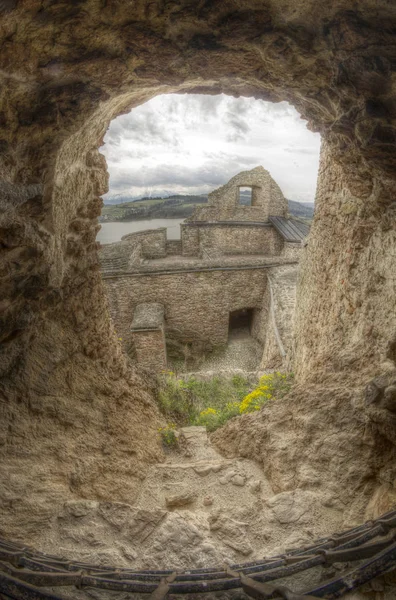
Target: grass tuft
{"points": [[211, 403]]}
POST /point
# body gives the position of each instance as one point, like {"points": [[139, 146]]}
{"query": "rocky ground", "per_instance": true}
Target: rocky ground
{"points": [[196, 509], [200, 509]]}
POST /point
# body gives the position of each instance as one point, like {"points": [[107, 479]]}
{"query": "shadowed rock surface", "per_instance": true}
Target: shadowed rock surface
{"points": [[77, 421]]}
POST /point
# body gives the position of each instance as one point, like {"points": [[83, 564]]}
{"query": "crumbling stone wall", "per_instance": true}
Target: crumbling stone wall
{"points": [[152, 242], [223, 203], [196, 304], [133, 247], [225, 226]]}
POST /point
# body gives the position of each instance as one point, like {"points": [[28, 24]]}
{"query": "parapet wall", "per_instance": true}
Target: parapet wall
{"points": [[197, 239], [129, 252], [152, 242]]}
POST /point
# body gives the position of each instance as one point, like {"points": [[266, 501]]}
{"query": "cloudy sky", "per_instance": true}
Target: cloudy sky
{"points": [[194, 143]]}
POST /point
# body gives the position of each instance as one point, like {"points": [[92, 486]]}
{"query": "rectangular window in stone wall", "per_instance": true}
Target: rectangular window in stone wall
{"points": [[246, 196]]}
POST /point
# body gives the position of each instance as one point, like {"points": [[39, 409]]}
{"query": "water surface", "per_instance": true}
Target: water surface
{"points": [[113, 231]]}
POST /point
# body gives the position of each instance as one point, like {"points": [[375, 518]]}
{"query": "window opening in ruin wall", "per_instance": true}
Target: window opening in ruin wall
{"points": [[245, 196]]}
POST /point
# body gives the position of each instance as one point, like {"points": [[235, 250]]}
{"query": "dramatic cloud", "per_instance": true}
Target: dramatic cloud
{"points": [[191, 143]]}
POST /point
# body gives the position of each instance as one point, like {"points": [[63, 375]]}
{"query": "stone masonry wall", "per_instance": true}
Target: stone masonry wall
{"points": [[152, 242], [197, 304], [282, 284], [229, 239], [149, 244], [173, 247], [190, 240], [259, 328], [150, 349], [223, 203], [291, 250]]}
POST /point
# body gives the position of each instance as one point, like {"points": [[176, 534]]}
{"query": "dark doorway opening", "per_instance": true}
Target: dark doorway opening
{"points": [[240, 322]]}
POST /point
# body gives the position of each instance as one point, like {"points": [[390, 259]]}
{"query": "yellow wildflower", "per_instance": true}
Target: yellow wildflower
{"points": [[207, 412]]}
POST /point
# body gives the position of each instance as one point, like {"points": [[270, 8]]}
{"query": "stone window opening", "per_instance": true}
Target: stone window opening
{"points": [[240, 323], [245, 196]]}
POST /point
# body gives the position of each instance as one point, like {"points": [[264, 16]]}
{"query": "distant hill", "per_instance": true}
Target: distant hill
{"points": [[116, 199], [304, 210], [174, 206], [134, 209]]}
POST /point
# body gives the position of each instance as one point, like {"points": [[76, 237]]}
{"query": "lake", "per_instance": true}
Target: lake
{"points": [[113, 231]]}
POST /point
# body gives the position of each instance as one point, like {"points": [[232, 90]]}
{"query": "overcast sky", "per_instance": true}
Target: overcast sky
{"points": [[194, 143]]}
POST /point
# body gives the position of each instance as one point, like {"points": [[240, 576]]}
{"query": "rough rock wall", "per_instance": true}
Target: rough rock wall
{"points": [[281, 303], [349, 323], [66, 70], [319, 439], [75, 419]]}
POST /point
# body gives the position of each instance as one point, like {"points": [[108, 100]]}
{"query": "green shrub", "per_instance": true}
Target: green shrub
{"points": [[168, 435], [213, 418], [213, 402], [184, 400]]}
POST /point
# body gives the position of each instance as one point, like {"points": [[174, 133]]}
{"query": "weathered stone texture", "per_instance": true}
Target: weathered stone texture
{"points": [[129, 252], [150, 349], [319, 438], [223, 203], [291, 250], [239, 239], [349, 322], [197, 304], [190, 240], [280, 304], [148, 336], [152, 242], [75, 418], [173, 247]]}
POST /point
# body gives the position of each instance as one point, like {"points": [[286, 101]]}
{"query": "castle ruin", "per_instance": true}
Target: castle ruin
{"points": [[236, 263]]}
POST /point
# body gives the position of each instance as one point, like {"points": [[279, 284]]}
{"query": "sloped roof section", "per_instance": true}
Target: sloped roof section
{"points": [[289, 229]]}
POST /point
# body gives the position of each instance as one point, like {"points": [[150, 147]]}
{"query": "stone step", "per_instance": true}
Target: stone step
{"points": [[201, 467]]}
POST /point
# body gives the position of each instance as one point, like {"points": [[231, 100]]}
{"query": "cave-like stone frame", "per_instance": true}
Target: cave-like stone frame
{"points": [[74, 410]]}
